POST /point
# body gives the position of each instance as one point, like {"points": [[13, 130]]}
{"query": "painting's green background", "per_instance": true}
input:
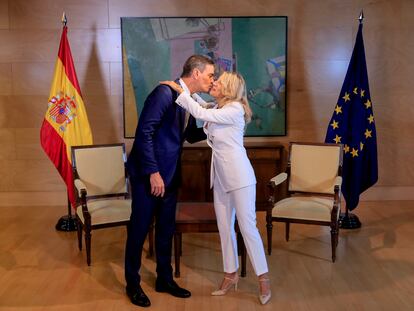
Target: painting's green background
{"points": [[256, 40], [146, 57]]}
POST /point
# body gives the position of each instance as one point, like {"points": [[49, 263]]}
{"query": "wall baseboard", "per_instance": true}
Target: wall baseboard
{"points": [[388, 193]]}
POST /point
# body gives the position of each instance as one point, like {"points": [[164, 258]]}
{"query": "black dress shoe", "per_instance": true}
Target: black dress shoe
{"points": [[172, 288], [137, 296]]}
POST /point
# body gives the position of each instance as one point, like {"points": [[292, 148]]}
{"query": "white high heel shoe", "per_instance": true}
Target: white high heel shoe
{"points": [[265, 298], [232, 283]]}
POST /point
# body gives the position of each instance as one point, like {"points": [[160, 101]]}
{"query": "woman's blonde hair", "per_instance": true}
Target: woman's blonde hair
{"points": [[233, 89]]}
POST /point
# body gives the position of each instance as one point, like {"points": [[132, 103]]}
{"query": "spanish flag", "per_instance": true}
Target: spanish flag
{"points": [[66, 123]]}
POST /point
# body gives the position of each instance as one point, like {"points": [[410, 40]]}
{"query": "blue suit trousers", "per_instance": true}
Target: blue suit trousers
{"points": [[144, 208]]}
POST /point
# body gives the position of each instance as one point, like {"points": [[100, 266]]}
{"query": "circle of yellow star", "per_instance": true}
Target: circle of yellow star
{"points": [[362, 93], [354, 152], [346, 148], [370, 119], [367, 133], [361, 146], [346, 97], [334, 124], [367, 103], [337, 139], [338, 109], [355, 90]]}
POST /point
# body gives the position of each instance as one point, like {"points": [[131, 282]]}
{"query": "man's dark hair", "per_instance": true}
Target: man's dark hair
{"points": [[195, 61]]}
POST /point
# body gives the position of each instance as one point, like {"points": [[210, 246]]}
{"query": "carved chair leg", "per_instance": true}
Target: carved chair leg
{"points": [[88, 237], [337, 235], [242, 250], [287, 231], [334, 242], [269, 227], [239, 243], [180, 245], [80, 228]]}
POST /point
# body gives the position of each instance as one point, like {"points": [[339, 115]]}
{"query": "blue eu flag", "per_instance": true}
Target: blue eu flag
{"points": [[353, 125]]}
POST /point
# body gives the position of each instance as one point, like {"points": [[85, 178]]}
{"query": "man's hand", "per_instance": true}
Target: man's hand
{"points": [[157, 185]]}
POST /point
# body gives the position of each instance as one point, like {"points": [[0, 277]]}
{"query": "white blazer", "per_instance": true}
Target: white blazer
{"points": [[224, 128]]}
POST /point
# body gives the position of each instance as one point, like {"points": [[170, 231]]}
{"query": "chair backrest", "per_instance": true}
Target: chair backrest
{"points": [[101, 168], [314, 167]]}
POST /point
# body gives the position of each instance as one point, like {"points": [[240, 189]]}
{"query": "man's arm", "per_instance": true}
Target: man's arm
{"points": [[155, 107]]}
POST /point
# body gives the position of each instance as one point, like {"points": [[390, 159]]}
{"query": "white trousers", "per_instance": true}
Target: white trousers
{"points": [[242, 204]]}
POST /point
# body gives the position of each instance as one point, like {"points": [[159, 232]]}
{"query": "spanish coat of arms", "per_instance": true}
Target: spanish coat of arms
{"points": [[62, 109]]}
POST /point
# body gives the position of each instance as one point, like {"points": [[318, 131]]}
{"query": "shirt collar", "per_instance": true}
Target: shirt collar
{"points": [[184, 86]]}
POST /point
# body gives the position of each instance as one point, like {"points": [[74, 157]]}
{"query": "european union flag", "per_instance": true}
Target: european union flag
{"points": [[353, 125]]}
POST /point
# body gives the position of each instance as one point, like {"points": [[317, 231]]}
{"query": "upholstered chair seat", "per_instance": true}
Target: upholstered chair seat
{"points": [[311, 208], [107, 211]]}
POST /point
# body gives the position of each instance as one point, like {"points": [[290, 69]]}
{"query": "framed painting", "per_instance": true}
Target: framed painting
{"points": [[155, 48]]}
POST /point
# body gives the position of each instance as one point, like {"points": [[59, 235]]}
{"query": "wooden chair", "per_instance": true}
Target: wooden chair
{"points": [[199, 217], [102, 186], [313, 177]]}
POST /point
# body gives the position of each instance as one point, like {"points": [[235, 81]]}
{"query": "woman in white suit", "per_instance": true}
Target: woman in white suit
{"points": [[232, 176]]}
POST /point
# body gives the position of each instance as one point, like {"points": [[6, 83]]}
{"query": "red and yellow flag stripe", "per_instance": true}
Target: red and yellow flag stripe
{"points": [[66, 123]]}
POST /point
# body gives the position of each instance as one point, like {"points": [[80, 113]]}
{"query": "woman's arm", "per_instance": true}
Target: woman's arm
{"points": [[202, 102], [176, 87], [229, 114]]}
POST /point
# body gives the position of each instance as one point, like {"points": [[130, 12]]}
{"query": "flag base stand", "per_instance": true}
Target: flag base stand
{"points": [[67, 223], [349, 221]]}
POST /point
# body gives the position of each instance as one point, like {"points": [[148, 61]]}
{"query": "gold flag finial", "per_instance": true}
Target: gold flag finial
{"points": [[64, 19]]}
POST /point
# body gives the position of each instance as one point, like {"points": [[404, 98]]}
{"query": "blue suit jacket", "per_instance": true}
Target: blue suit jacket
{"points": [[160, 136]]}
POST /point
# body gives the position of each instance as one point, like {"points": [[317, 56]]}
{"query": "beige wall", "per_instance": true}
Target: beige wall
{"points": [[321, 35]]}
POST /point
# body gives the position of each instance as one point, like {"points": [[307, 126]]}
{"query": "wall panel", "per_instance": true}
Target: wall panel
{"points": [[28, 45], [32, 78], [22, 111], [5, 79], [4, 14], [28, 144], [46, 14], [7, 143]]}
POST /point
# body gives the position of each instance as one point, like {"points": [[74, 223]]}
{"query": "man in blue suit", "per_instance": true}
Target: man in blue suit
{"points": [[154, 170]]}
